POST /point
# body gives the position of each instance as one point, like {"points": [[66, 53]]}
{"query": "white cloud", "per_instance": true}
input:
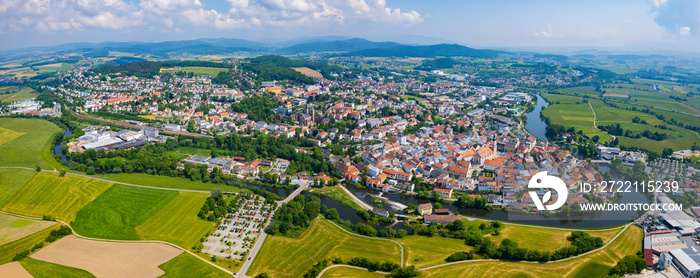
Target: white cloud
{"points": [[212, 18], [684, 30], [545, 33]]}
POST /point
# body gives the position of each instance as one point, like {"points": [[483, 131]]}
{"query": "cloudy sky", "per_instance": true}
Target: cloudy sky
{"points": [[634, 24]]}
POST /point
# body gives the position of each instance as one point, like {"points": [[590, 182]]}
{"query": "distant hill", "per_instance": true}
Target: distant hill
{"points": [[427, 51], [340, 46]]}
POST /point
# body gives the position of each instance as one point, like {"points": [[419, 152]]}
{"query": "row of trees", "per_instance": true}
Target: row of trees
{"points": [[295, 216]]}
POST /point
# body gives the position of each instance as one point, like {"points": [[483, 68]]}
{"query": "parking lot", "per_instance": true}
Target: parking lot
{"points": [[238, 231], [279, 167]]}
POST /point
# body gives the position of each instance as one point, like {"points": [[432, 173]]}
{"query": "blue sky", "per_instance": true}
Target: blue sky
{"points": [[633, 24]]}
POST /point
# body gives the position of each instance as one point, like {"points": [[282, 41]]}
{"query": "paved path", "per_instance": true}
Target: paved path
{"points": [[115, 240], [594, 116], [348, 266]]}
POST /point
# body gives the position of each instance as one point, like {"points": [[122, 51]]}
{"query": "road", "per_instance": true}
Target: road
{"points": [[123, 124], [258, 243]]}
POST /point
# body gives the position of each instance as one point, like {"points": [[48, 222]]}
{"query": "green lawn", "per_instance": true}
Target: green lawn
{"points": [[177, 221], [11, 181], [339, 194], [7, 251], [424, 251], [31, 148], [13, 228], [60, 197], [591, 265], [167, 182], [198, 70], [186, 265], [18, 95], [347, 272], [119, 210], [544, 239], [579, 116], [292, 257], [40, 269]]}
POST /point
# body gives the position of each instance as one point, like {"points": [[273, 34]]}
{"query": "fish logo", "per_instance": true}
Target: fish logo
{"points": [[542, 181]]}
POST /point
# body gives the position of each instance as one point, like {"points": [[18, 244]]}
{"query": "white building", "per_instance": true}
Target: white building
{"points": [[687, 261]]}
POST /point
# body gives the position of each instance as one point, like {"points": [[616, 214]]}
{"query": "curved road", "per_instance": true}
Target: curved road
{"points": [[348, 266]]}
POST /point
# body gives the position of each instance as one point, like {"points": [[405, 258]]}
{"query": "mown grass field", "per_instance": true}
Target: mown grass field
{"points": [[13, 228], [7, 135], [41, 269], [591, 265], [578, 116], [10, 94], [177, 221], [8, 250], [424, 251], [197, 70], [11, 181], [348, 272], [186, 265], [292, 257], [31, 148], [544, 239], [167, 182], [59, 197], [119, 210]]}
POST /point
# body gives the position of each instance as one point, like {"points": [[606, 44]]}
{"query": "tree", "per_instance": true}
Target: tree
{"points": [[90, 170], [62, 173], [216, 193], [38, 169], [437, 206], [262, 275], [667, 152]]}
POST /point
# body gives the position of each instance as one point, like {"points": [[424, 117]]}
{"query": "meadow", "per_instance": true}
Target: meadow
{"points": [[167, 182], [186, 265], [578, 116], [596, 264], [177, 222], [544, 239], [119, 210], [59, 197], [347, 272], [30, 149], [41, 269], [14, 93], [423, 251], [292, 257]]}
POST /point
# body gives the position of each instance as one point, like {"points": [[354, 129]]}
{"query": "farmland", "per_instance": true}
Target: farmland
{"points": [[59, 197], [41, 269], [292, 257], [11, 181], [108, 259], [544, 239], [8, 250], [177, 221], [570, 114], [30, 149], [186, 265], [166, 182], [13, 228], [309, 72], [347, 272], [118, 211]]}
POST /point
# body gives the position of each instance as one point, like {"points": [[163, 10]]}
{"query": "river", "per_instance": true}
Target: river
{"points": [[58, 150], [534, 123]]}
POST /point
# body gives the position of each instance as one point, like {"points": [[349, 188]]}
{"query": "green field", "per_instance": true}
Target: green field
{"points": [[544, 239], [6, 95], [177, 221], [60, 197], [40, 269], [11, 181], [118, 211], [347, 272], [198, 70], [186, 265], [7, 251], [591, 265], [13, 228], [31, 148], [579, 116], [292, 257], [424, 251], [339, 194], [167, 182]]}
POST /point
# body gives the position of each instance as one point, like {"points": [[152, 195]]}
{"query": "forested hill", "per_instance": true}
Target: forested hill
{"points": [[427, 51]]}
